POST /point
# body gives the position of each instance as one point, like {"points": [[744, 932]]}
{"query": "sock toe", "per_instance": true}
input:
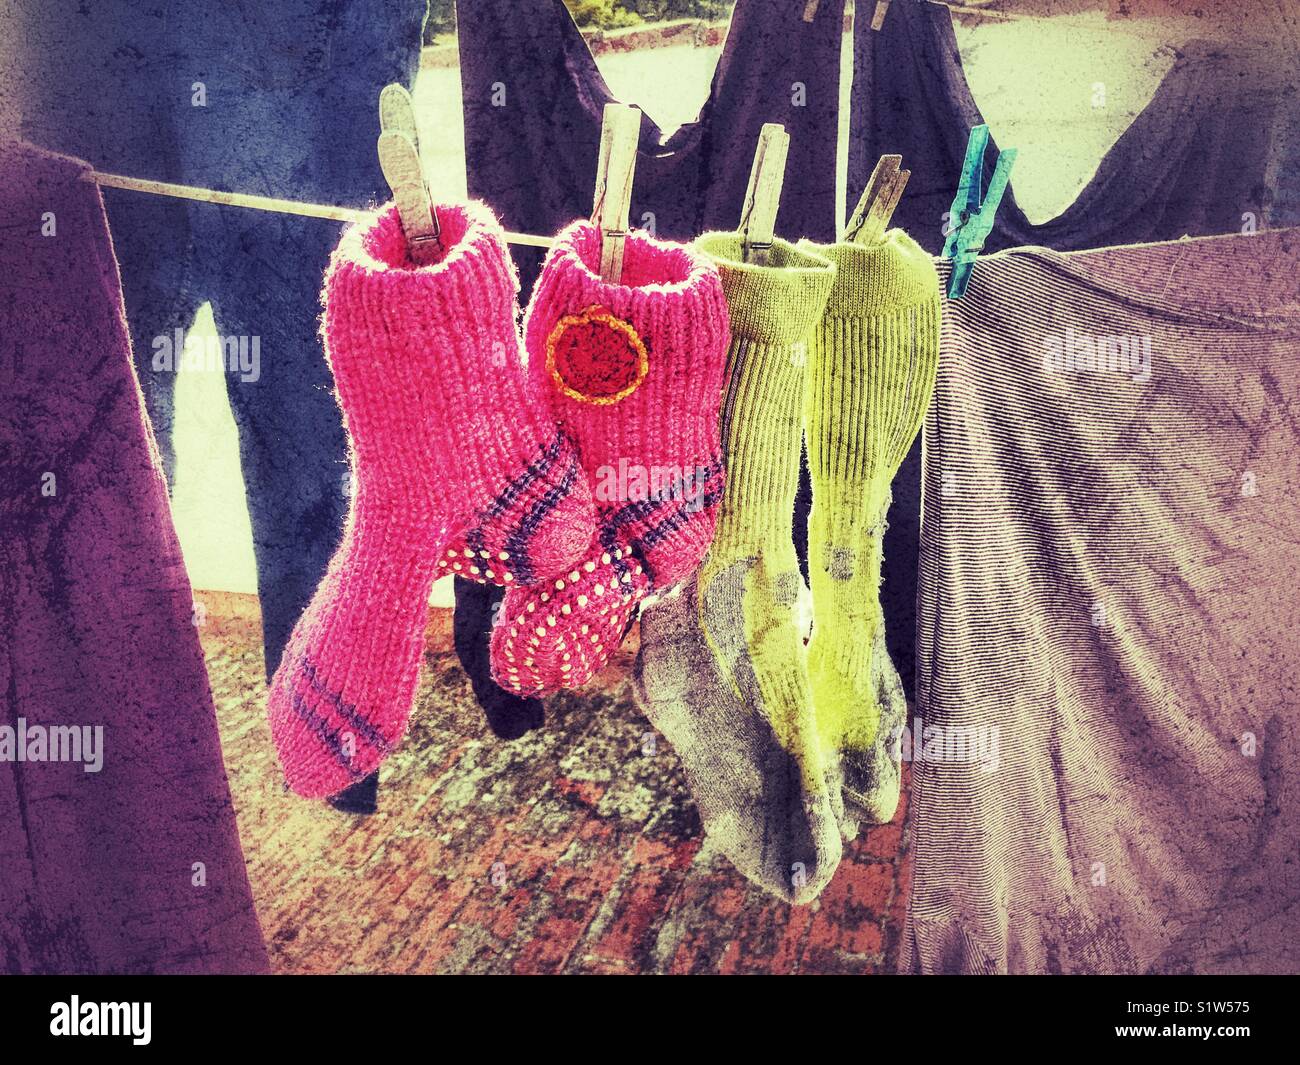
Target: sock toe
{"points": [[325, 746], [560, 635]]}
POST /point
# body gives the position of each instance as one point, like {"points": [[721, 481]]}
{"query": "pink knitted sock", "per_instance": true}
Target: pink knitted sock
{"points": [[447, 432], [634, 372]]}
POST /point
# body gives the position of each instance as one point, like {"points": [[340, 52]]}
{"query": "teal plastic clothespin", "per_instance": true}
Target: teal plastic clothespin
{"points": [[971, 220]]}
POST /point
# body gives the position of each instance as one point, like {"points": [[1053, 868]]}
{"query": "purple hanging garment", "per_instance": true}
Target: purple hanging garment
{"points": [[118, 846], [534, 100], [1109, 686], [1192, 162]]}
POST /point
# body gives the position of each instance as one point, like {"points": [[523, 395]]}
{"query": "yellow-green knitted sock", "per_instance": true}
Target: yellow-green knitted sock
{"points": [[872, 778], [872, 366], [749, 584]]}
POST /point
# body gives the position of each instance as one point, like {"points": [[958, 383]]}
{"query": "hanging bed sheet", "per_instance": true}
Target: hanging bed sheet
{"points": [[1109, 681]]}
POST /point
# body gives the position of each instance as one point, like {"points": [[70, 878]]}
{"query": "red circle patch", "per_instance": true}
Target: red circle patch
{"points": [[594, 357]]}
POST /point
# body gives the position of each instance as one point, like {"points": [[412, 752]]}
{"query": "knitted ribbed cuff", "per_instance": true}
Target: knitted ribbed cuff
{"points": [[396, 331], [617, 357], [777, 304], [873, 360], [889, 275], [458, 312], [474, 274]]}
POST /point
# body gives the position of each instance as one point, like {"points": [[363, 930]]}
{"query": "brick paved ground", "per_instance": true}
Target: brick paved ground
{"points": [[571, 850]]}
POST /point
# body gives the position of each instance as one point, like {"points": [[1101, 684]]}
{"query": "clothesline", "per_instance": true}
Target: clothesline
{"points": [[355, 214], [262, 203]]}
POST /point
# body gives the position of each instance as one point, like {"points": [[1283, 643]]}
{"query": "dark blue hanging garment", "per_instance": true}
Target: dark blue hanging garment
{"points": [[534, 100], [278, 100]]}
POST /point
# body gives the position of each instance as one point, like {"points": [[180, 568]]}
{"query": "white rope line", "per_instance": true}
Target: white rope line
{"points": [[353, 214], [263, 203]]}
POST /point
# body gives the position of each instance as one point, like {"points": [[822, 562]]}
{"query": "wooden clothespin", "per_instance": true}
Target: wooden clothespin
{"points": [[763, 196], [878, 16], [399, 158], [879, 200], [620, 133], [810, 10], [397, 111], [972, 216]]}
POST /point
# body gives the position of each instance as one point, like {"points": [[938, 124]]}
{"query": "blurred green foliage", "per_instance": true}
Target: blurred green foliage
{"points": [[599, 14], [442, 19], [611, 14]]}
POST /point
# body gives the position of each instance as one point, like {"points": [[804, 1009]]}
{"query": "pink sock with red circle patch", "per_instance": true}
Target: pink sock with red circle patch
{"points": [[448, 436], [634, 374]]}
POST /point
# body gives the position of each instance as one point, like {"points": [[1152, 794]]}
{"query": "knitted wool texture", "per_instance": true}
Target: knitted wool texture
{"points": [[722, 670], [750, 583], [750, 789], [633, 372], [871, 778], [872, 368], [446, 433]]}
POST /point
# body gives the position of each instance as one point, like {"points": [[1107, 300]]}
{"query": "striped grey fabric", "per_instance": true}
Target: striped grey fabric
{"points": [[1105, 761]]}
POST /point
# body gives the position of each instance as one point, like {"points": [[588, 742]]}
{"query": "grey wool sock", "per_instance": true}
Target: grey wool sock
{"points": [[753, 794], [730, 683]]}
